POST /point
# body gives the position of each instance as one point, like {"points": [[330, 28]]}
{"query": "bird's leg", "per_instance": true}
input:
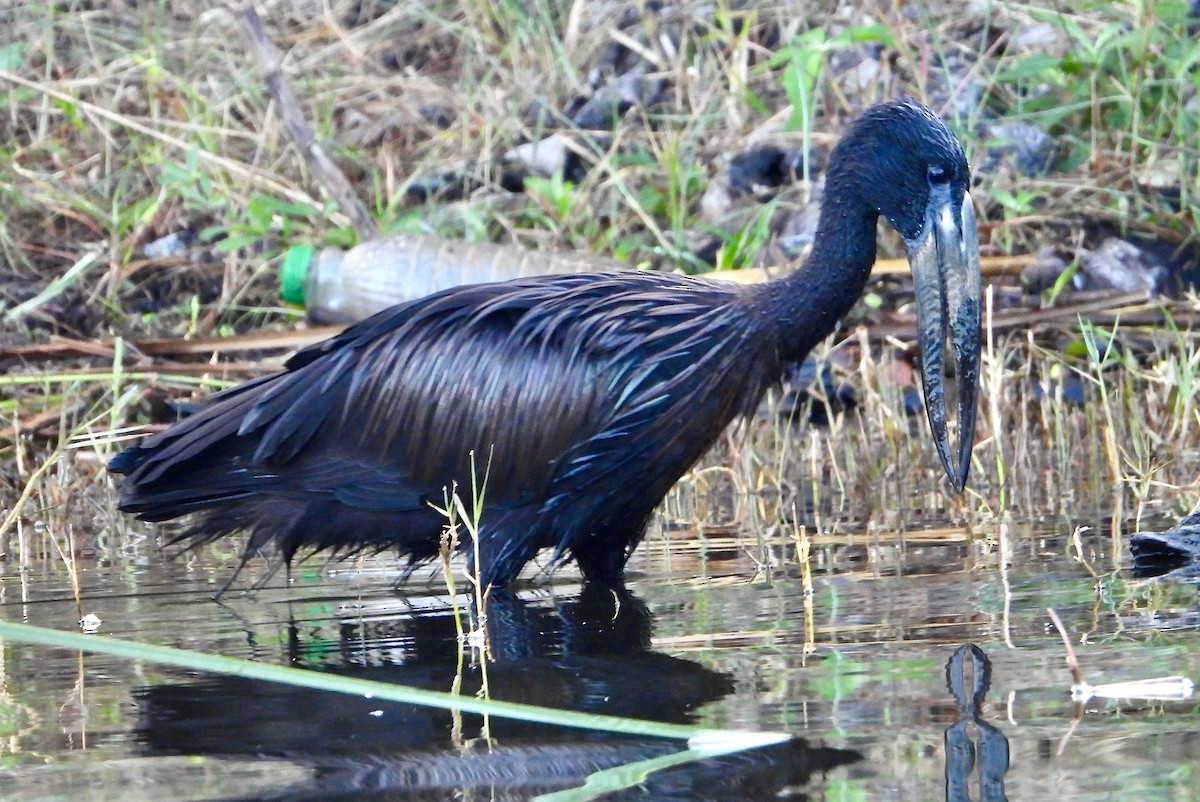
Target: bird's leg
{"points": [[503, 552], [271, 571], [246, 555], [406, 573], [600, 562]]}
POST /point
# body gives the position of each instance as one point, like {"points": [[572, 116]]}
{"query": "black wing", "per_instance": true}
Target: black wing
{"points": [[528, 381]]}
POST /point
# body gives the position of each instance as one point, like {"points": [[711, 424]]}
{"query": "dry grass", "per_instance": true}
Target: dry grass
{"points": [[119, 126]]}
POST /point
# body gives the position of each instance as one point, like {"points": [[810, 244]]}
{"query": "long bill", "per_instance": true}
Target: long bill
{"points": [[945, 265]]}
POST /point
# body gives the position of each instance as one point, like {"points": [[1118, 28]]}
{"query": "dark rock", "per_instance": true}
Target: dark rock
{"points": [[1120, 265], [814, 391], [174, 244], [1032, 151], [1041, 274], [1117, 264], [1068, 383], [762, 168], [615, 97]]}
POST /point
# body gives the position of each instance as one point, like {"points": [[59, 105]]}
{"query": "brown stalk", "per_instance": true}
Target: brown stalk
{"points": [[269, 60], [1072, 662]]}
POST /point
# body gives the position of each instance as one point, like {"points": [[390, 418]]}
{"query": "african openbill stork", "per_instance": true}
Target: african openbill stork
{"points": [[587, 396]]}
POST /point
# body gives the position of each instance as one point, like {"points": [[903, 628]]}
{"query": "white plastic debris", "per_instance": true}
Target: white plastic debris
{"points": [[1159, 689], [719, 741]]}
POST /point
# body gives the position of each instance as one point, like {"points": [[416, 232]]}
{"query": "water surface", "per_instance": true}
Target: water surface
{"points": [[871, 672]]}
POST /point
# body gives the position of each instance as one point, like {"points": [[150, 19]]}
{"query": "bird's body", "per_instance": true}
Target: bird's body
{"points": [[582, 398]]}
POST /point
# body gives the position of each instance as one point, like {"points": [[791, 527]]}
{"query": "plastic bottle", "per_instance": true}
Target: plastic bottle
{"points": [[337, 286]]}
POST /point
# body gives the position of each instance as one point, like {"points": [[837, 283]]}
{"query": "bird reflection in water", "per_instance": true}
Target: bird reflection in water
{"points": [[968, 676], [1173, 554], [588, 653]]}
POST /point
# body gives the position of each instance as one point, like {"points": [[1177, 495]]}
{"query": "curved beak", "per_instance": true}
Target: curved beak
{"points": [[945, 267]]}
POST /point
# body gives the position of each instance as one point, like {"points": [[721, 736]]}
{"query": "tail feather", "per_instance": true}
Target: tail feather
{"points": [[197, 464], [165, 507], [154, 457], [294, 525]]}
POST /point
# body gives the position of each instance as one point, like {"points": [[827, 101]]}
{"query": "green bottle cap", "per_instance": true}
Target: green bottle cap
{"points": [[294, 272]]}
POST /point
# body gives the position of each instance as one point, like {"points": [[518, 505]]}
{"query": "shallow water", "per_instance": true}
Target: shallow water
{"points": [[859, 672]]}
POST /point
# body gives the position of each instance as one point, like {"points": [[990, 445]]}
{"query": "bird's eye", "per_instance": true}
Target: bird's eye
{"points": [[938, 175]]}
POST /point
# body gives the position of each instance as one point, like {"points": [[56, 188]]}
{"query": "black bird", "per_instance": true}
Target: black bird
{"points": [[583, 397]]}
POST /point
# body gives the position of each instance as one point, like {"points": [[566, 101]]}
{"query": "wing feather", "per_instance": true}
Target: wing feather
{"points": [[550, 384]]}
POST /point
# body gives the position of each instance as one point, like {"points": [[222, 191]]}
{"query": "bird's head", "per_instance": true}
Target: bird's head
{"points": [[906, 166]]}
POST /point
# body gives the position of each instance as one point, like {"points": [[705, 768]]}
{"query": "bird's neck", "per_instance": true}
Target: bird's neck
{"points": [[806, 305]]}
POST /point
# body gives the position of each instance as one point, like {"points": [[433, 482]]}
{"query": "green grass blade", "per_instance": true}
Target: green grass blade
{"points": [[383, 691], [619, 778], [55, 287], [709, 745]]}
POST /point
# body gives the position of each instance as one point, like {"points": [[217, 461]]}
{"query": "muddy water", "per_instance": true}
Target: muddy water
{"points": [[871, 673]]}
